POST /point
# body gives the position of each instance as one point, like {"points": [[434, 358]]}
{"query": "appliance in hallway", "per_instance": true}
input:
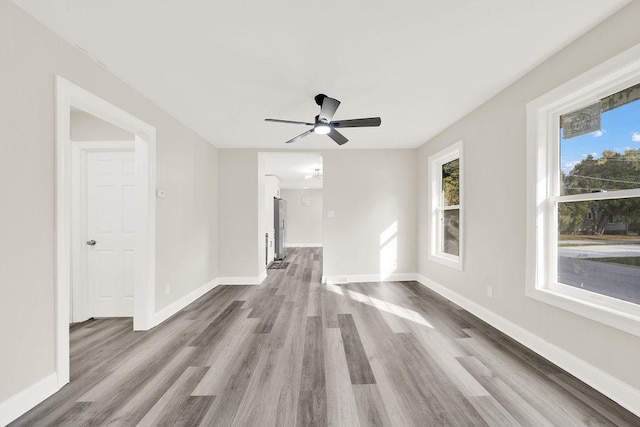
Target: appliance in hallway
{"points": [[279, 224]]}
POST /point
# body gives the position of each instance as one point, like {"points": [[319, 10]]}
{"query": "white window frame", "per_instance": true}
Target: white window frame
{"points": [[436, 162], [543, 191]]}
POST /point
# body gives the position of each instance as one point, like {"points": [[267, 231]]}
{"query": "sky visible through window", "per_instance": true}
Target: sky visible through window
{"points": [[620, 131]]}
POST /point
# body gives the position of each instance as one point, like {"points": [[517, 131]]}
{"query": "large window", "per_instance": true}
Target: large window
{"points": [[446, 206], [584, 194]]}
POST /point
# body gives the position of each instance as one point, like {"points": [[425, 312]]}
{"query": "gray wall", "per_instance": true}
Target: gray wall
{"points": [[495, 205], [87, 127], [304, 223], [369, 190], [240, 210], [186, 256]]}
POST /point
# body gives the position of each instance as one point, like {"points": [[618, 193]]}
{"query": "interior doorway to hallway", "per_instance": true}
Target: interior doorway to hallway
{"points": [[114, 168], [292, 215]]}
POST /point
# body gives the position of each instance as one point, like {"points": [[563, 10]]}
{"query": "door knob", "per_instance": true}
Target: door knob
{"points": [[91, 242]]}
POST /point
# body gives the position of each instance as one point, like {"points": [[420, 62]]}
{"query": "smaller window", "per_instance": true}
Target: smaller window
{"points": [[446, 206]]}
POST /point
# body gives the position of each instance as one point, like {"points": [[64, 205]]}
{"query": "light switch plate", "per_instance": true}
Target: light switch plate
{"points": [[331, 214]]}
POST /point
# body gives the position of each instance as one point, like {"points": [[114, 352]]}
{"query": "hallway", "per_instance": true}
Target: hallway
{"points": [[295, 352]]}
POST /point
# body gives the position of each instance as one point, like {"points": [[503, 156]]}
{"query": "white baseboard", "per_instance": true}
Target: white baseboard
{"points": [[358, 278], [20, 403], [248, 280], [303, 245], [262, 276], [616, 390], [176, 306]]}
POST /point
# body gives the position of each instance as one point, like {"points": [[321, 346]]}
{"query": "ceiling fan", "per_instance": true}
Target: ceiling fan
{"points": [[323, 124]]}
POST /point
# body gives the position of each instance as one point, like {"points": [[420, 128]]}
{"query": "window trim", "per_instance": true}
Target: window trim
{"points": [[436, 161], [543, 115]]}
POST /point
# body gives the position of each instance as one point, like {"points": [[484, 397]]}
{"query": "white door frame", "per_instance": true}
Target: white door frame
{"points": [[69, 95], [79, 151]]}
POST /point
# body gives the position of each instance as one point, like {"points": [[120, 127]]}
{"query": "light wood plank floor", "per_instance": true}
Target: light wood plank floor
{"points": [[293, 352]]}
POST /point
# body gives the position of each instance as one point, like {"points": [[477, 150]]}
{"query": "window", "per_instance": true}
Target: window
{"points": [[446, 206], [583, 236]]}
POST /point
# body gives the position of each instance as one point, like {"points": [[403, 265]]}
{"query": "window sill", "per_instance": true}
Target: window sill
{"points": [[609, 311], [447, 260]]}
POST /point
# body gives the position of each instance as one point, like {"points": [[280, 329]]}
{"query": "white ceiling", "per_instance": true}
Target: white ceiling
{"points": [[222, 67], [294, 170]]}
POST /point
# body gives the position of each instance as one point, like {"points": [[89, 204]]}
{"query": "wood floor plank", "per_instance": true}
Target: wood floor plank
{"points": [[224, 358], [270, 315], [149, 357], [341, 404], [553, 404], [191, 413], [593, 399], [445, 352], [218, 325], [518, 407], [224, 409], [328, 306], [357, 359], [394, 315], [293, 351], [429, 390], [212, 307], [492, 412], [171, 408], [315, 303], [259, 402], [282, 324], [75, 416], [98, 335], [129, 403], [312, 403], [371, 408]]}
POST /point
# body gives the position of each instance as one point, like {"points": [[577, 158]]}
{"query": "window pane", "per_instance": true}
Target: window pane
{"points": [[451, 231], [607, 158], [451, 183], [599, 247]]}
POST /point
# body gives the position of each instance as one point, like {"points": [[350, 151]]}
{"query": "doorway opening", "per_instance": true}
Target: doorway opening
{"points": [[292, 204], [124, 153], [103, 227]]}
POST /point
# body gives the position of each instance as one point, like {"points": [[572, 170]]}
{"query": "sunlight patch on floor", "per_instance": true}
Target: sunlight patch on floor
{"points": [[385, 306]]}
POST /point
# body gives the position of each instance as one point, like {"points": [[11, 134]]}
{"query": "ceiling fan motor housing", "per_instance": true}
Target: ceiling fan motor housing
{"points": [[319, 98], [321, 121]]}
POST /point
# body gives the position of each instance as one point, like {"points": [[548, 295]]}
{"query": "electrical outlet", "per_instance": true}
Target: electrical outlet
{"points": [[331, 214], [490, 291], [167, 289]]}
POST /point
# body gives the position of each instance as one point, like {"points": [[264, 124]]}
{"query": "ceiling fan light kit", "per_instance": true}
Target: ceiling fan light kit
{"points": [[323, 125], [322, 129]]}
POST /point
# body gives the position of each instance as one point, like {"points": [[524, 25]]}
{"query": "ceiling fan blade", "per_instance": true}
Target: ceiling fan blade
{"points": [[357, 123], [288, 121], [337, 137], [302, 135], [328, 109]]}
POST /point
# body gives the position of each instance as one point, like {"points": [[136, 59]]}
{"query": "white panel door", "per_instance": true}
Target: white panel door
{"points": [[110, 224]]}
